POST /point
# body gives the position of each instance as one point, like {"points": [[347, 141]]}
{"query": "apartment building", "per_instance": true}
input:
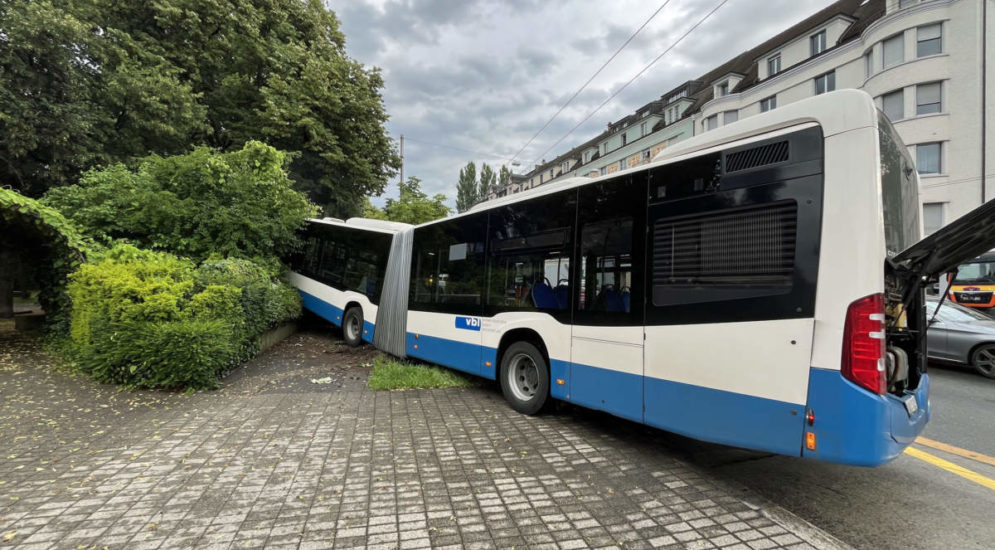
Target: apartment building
{"points": [[924, 62]]}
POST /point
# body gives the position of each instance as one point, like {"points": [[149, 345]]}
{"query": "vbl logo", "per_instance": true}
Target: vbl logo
{"points": [[468, 323]]}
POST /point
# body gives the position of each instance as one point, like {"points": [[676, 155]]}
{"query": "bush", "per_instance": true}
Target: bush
{"points": [[45, 246], [150, 319], [237, 204], [266, 301]]}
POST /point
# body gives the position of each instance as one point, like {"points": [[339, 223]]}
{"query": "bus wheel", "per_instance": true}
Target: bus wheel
{"points": [[524, 378], [983, 360], [352, 326]]}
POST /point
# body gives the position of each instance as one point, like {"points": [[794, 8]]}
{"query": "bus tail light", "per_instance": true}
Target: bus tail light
{"points": [[864, 343]]}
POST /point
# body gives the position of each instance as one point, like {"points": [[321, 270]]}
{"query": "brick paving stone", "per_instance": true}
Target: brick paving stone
{"points": [[273, 460]]}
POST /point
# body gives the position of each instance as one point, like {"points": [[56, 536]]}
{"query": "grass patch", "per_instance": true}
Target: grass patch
{"points": [[390, 374]]}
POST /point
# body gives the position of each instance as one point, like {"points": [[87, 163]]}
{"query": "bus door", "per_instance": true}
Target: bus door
{"points": [[606, 371]]}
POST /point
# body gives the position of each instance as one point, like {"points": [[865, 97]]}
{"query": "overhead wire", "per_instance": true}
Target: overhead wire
{"points": [[491, 155], [631, 80], [589, 80], [954, 182]]}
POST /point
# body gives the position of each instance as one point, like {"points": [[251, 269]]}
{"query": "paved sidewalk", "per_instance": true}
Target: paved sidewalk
{"points": [[295, 452]]}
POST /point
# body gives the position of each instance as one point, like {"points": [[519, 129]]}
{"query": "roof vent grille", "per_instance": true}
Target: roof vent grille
{"points": [[772, 153]]}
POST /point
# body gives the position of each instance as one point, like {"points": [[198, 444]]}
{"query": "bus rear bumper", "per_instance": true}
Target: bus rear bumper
{"points": [[854, 426]]}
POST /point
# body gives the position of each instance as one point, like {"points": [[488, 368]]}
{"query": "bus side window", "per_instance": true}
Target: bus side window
{"points": [[606, 265], [448, 269], [529, 248]]}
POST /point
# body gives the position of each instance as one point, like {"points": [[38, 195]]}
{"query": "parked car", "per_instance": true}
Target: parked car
{"points": [[961, 335]]}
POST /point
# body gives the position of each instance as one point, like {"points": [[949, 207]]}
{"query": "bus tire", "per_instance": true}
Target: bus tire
{"points": [[524, 378], [352, 326]]}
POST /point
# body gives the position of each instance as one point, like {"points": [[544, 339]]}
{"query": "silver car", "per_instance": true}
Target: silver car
{"points": [[961, 335]]}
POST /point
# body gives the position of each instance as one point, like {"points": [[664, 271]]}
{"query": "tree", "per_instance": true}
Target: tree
{"points": [[466, 189], [487, 181], [239, 204], [91, 83], [75, 94], [412, 205], [504, 177]]}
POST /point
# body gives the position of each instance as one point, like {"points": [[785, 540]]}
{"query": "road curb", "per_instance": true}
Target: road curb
{"points": [[806, 531]]}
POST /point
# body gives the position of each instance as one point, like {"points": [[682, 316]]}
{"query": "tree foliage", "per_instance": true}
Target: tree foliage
{"points": [[237, 204], [90, 83], [466, 188], [504, 177], [488, 179], [43, 244], [412, 205]]}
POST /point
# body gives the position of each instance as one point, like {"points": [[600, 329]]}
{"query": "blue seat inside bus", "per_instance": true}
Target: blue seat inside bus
{"points": [[612, 301], [562, 293], [543, 296]]}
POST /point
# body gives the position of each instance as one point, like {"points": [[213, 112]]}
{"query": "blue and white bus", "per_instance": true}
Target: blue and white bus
{"points": [[340, 272], [760, 285]]}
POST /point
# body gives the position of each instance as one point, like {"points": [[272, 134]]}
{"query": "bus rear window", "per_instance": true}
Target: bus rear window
{"points": [[899, 190]]}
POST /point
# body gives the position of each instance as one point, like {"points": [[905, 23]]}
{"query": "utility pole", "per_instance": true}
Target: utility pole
{"points": [[402, 159]]}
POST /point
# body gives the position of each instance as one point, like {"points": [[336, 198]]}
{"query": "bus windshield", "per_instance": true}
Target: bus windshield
{"points": [[976, 273], [899, 190]]}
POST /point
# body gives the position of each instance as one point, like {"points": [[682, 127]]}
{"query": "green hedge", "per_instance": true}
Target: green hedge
{"points": [[45, 242], [150, 319]]}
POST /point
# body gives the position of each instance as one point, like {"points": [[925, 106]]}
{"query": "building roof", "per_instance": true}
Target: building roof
{"points": [[861, 13]]}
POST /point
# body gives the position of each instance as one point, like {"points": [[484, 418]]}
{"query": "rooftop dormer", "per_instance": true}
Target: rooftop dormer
{"points": [[725, 85], [802, 46]]}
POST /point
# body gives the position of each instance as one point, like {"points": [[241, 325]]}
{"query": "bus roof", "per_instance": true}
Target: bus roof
{"points": [[382, 226], [836, 112]]}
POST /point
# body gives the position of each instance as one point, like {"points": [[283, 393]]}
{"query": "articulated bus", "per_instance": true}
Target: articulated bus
{"points": [[340, 272], [760, 285]]}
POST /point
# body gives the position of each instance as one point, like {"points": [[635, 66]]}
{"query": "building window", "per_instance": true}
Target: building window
{"points": [[604, 148], [768, 103], [625, 139], [893, 105], [711, 123], [642, 129], [646, 155], [724, 89], [932, 217], [929, 40], [729, 117], [929, 158], [906, 3], [893, 51], [773, 65], [623, 164], [825, 83], [929, 98], [565, 166], [587, 157], [868, 63], [817, 43], [540, 179], [604, 170]]}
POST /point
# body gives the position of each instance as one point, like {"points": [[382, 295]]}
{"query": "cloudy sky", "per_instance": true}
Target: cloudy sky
{"points": [[475, 79]]}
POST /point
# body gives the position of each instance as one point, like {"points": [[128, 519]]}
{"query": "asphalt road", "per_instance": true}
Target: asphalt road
{"points": [[910, 503]]}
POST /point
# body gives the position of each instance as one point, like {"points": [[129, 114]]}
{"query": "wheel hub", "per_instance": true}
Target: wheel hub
{"points": [[523, 377]]}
